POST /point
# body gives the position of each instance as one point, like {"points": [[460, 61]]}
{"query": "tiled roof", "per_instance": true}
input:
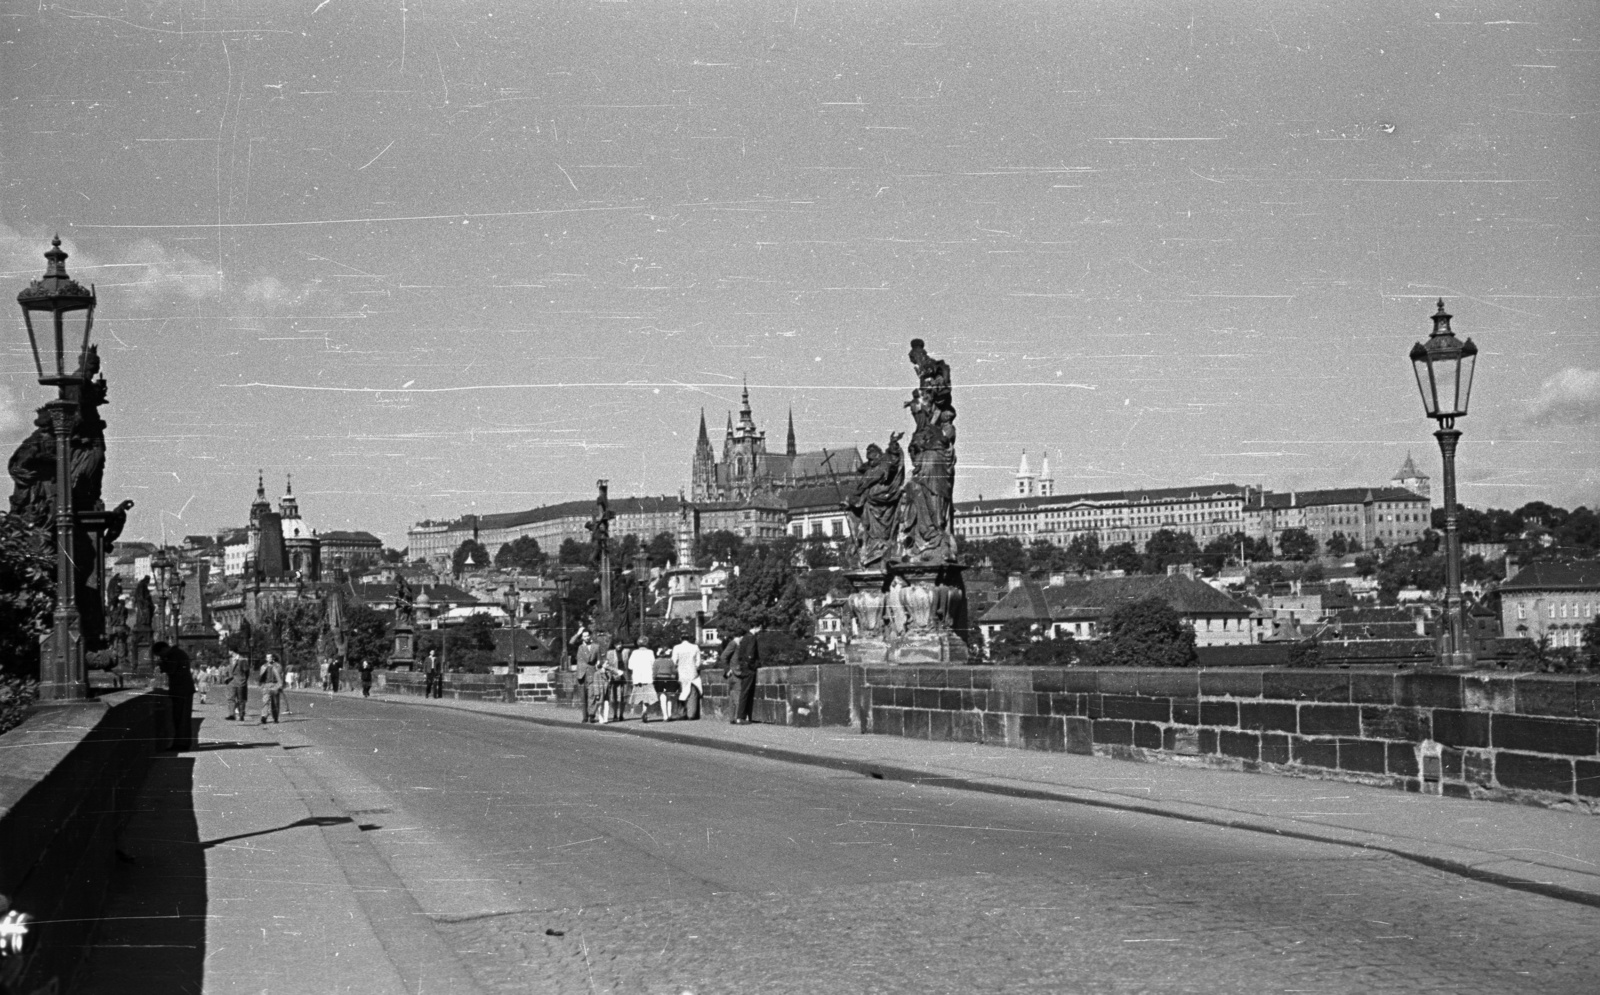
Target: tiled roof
{"points": [[362, 537], [1337, 495], [1091, 599], [1556, 575]]}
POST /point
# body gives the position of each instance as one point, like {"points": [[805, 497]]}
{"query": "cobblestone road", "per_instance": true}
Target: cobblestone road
{"points": [[559, 860]]}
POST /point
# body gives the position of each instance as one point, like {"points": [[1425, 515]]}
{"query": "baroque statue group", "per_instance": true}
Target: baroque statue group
{"points": [[908, 600]]}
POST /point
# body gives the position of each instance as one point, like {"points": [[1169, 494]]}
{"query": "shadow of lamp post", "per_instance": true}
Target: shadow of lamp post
{"points": [[1444, 366], [59, 315]]}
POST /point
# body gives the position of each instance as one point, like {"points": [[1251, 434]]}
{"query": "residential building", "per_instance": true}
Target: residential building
{"points": [[1080, 608], [1551, 598], [1367, 514], [436, 542]]}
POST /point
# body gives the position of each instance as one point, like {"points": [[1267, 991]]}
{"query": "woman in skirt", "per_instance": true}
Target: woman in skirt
{"points": [[642, 671]]}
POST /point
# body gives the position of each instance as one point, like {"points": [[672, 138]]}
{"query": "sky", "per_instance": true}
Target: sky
{"points": [[444, 258]]}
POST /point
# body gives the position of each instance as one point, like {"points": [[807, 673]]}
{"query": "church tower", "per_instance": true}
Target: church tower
{"points": [[1025, 479], [703, 474], [1047, 483], [790, 449], [1412, 479]]}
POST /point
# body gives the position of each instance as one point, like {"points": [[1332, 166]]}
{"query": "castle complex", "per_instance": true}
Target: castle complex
{"points": [[747, 469]]}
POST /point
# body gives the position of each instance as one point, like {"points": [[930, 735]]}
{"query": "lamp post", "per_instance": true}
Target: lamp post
{"points": [[56, 309], [641, 576], [561, 599], [175, 601], [1444, 366]]}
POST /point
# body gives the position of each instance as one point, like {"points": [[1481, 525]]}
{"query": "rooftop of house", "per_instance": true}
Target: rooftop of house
{"points": [[1555, 575], [1092, 599]]}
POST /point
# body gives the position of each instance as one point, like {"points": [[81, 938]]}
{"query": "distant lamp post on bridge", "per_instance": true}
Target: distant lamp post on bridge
{"points": [[59, 315], [1444, 366]]}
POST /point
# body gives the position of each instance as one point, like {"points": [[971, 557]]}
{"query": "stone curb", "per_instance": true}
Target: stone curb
{"points": [[1173, 810]]}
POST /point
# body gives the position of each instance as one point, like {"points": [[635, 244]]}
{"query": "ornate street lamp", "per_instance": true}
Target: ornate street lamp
{"points": [[1444, 366], [59, 313], [161, 581]]}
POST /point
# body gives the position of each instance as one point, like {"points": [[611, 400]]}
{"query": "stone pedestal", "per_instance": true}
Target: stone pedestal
{"points": [[908, 614], [142, 638], [404, 652]]}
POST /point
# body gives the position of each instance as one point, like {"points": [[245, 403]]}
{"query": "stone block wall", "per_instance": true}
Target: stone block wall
{"points": [[475, 687], [68, 784], [1525, 737]]}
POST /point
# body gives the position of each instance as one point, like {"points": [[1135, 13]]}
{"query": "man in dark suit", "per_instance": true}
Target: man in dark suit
{"points": [[746, 661]]}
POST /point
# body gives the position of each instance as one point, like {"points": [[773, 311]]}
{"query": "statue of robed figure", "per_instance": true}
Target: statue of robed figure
{"points": [[874, 502], [927, 506]]}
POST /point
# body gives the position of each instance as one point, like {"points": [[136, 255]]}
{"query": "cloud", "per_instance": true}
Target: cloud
{"points": [[1570, 398], [142, 273]]}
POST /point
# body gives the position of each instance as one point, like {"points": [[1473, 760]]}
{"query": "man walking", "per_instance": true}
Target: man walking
{"points": [[334, 672], [366, 678], [174, 663], [271, 688], [747, 660], [433, 681], [238, 686], [686, 657]]}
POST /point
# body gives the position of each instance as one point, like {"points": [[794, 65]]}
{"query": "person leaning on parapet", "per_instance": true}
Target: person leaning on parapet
{"points": [[686, 657], [271, 688], [238, 686], [174, 663], [747, 660]]}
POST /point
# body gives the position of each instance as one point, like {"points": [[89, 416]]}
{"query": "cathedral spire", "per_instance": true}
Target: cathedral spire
{"points": [[704, 442], [261, 487], [791, 450]]}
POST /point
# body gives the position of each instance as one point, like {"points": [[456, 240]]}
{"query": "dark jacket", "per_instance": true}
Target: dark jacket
{"points": [[175, 664], [747, 658]]}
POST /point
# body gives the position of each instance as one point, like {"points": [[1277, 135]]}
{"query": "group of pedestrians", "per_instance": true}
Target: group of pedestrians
{"points": [[617, 681], [184, 679]]}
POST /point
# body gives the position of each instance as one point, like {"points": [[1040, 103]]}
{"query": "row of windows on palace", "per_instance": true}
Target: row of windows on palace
{"points": [[1390, 514]]}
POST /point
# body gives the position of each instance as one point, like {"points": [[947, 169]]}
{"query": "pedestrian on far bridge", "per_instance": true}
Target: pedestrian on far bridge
{"points": [[591, 678], [433, 681], [686, 658], [238, 686], [271, 688], [366, 677]]}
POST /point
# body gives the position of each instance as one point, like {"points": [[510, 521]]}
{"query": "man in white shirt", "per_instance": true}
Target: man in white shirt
{"points": [[686, 657]]}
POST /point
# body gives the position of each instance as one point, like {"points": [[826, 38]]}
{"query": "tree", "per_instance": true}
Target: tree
{"points": [[1006, 556], [467, 646], [291, 628], [1147, 633], [1297, 544], [369, 632], [522, 553], [764, 593], [1219, 551], [1168, 548], [1084, 553], [1429, 542], [819, 554], [662, 550], [623, 553], [720, 546], [395, 555], [1265, 576], [470, 549], [27, 595], [574, 553], [1338, 544], [1122, 556], [1259, 550], [1589, 652]]}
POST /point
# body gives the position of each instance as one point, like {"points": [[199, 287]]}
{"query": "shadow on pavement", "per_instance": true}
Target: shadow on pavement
{"points": [[314, 820], [151, 939], [210, 747]]}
